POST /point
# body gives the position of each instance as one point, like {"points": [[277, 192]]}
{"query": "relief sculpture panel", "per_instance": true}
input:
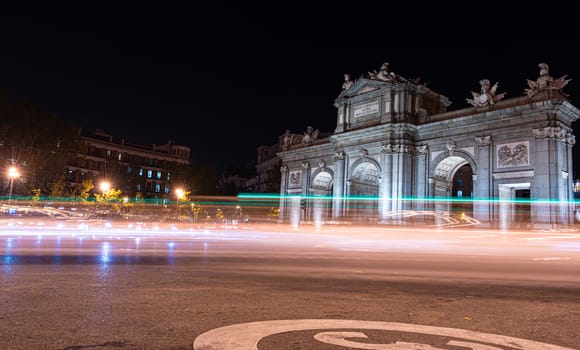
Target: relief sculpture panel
{"points": [[513, 154], [295, 179]]}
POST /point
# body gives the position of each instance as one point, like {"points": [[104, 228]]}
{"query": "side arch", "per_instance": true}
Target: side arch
{"points": [[320, 189]]}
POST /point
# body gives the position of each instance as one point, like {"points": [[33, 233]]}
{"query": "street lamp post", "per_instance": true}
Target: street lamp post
{"points": [[12, 174]]}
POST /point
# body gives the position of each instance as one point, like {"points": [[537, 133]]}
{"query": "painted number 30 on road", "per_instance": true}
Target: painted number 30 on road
{"points": [[245, 336]]}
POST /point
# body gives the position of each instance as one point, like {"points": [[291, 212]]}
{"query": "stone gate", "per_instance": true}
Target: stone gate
{"points": [[397, 151]]}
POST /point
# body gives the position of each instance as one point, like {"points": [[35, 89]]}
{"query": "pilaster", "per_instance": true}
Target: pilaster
{"points": [[338, 185], [482, 181]]}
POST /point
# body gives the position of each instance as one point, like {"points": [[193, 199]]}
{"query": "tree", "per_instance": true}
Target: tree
{"points": [[197, 178], [111, 196], [83, 191], [39, 143], [59, 188]]}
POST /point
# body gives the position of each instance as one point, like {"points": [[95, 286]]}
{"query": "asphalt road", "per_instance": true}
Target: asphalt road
{"points": [[275, 287]]}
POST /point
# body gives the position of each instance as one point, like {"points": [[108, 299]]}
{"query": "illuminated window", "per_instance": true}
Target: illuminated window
{"points": [[141, 172], [129, 170], [157, 187], [168, 176], [108, 153], [166, 189], [120, 155], [138, 187], [149, 173], [159, 175]]}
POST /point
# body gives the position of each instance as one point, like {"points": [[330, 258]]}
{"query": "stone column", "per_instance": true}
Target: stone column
{"points": [[305, 190], [401, 174], [564, 184], [346, 209], [342, 116], [482, 181], [571, 141], [431, 193], [385, 187], [408, 166], [283, 192], [545, 185], [387, 108], [338, 185], [420, 177]]}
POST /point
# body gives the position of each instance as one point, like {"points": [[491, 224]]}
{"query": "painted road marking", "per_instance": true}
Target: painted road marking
{"points": [[339, 338], [245, 336]]}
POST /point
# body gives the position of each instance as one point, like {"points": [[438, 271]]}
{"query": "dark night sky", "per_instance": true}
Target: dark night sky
{"points": [[226, 80]]}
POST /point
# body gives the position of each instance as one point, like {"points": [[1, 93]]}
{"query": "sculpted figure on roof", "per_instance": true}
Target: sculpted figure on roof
{"points": [[309, 136], [546, 82], [383, 74], [347, 82], [487, 96]]}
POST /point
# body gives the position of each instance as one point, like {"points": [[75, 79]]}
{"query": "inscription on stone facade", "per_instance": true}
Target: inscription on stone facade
{"points": [[295, 179], [513, 154], [514, 174], [366, 109]]}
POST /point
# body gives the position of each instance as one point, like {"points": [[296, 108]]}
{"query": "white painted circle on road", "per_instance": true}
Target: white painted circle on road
{"points": [[245, 336]]}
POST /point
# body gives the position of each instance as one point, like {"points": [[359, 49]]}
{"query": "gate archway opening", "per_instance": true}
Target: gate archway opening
{"points": [[454, 187], [364, 192], [321, 197], [514, 206]]}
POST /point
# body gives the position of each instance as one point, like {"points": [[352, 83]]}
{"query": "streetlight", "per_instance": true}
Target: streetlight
{"points": [[179, 192], [104, 186], [13, 173]]}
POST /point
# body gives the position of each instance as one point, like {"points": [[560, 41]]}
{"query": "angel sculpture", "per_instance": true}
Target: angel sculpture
{"points": [[546, 82], [309, 136], [487, 96], [347, 82], [383, 74], [288, 139]]}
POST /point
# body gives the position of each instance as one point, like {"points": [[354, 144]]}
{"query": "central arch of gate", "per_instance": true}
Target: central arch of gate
{"points": [[363, 190], [451, 180]]}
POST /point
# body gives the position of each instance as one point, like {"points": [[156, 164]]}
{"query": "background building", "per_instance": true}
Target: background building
{"points": [[138, 170]]}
